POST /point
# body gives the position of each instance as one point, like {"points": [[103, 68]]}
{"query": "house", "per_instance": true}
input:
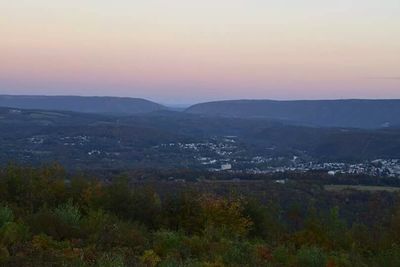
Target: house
{"points": [[225, 167]]}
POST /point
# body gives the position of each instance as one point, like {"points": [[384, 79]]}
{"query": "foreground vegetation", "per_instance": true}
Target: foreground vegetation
{"points": [[48, 218]]}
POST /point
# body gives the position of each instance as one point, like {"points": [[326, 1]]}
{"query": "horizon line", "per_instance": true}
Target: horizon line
{"points": [[197, 102]]}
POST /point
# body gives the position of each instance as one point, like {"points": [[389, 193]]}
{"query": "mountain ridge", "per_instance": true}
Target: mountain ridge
{"points": [[357, 113], [353, 113], [84, 104]]}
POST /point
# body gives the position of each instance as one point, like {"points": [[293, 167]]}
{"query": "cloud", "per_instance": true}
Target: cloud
{"points": [[387, 78]]}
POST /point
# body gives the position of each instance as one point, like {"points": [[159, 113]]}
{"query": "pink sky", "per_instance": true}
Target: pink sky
{"points": [[188, 51]]}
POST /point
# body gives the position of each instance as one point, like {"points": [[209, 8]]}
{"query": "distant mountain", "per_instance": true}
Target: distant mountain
{"points": [[168, 139], [106, 105], [324, 113]]}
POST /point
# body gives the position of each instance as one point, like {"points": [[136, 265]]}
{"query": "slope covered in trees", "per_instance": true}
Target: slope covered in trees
{"points": [[49, 218], [108, 105], [165, 140], [325, 113]]}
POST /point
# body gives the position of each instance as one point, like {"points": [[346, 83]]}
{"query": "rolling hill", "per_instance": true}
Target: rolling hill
{"points": [[323, 113], [105, 105], [168, 139]]}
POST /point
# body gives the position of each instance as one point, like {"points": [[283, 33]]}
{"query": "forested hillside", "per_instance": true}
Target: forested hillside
{"points": [[107, 105], [167, 139], [50, 218], [324, 113]]}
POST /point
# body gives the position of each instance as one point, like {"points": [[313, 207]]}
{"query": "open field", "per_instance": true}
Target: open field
{"points": [[333, 188]]}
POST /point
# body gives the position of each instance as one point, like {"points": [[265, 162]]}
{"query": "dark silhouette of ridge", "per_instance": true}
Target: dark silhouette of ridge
{"points": [[108, 105], [325, 113]]}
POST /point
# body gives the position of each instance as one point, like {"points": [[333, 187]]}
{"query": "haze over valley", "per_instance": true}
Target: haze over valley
{"points": [[228, 133], [243, 136]]}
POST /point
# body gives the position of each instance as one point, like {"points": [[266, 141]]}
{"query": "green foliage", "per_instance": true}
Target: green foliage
{"points": [[6, 215], [111, 260], [182, 212], [224, 217], [311, 257], [69, 214], [388, 258], [282, 256], [13, 233], [150, 258], [169, 244], [335, 227], [239, 254], [50, 222], [265, 219]]}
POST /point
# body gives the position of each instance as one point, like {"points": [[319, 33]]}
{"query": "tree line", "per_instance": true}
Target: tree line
{"points": [[50, 218]]}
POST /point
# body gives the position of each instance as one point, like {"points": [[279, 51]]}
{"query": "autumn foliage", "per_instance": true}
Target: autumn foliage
{"points": [[48, 218]]}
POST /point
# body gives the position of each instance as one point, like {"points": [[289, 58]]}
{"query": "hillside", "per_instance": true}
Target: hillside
{"points": [[50, 217], [324, 113], [168, 139], [109, 105]]}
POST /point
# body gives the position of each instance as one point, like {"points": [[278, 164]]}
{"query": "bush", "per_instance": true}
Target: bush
{"points": [[389, 257], [6, 215], [311, 257], [13, 233], [240, 254], [168, 244], [225, 216], [282, 256], [69, 214], [111, 260], [150, 258], [120, 234], [95, 223]]}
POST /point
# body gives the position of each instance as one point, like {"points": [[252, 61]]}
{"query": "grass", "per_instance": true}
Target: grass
{"points": [[335, 188]]}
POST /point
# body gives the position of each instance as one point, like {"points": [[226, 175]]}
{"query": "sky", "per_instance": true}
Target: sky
{"points": [[187, 51]]}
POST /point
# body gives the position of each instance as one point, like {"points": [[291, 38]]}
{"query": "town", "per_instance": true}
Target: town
{"points": [[227, 156]]}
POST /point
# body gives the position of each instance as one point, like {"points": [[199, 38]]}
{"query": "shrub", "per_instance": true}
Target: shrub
{"points": [[311, 257], [12, 233], [389, 257], [282, 256], [226, 216], [168, 244], [111, 260], [69, 214], [6, 215], [150, 258], [239, 254]]}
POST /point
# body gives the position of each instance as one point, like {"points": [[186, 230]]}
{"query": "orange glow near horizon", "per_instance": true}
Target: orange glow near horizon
{"points": [[187, 51]]}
